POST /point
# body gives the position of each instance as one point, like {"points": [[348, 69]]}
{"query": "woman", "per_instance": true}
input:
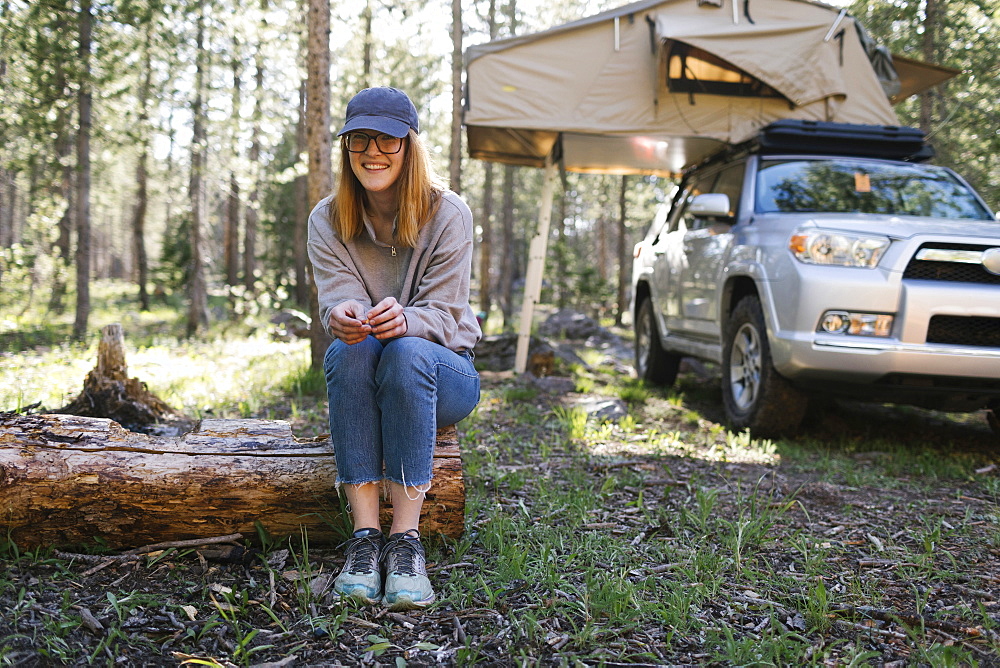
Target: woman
{"points": [[392, 254]]}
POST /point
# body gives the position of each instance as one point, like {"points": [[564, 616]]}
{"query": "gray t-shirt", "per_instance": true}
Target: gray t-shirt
{"points": [[430, 281]]}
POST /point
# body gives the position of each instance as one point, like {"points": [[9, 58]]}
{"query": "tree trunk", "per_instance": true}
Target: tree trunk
{"points": [[253, 206], [231, 231], [6, 207], [83, 176], [562, 250], [486, 222], [507, 257], [366, 64], [928, 50], [301, 209], [486, 244], [507, 263], [108, 392], [319, 140], [455, 164], [142, 175], [197, 316], [68, 480], [63, 246], [623, 263]]}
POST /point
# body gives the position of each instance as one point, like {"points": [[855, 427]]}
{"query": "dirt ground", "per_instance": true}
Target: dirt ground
{"points": [[925, 547]]}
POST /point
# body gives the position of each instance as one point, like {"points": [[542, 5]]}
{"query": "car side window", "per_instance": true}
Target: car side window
{"points": [[730, 182]]}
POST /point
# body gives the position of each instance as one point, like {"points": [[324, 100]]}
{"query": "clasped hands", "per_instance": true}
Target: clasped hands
{"points": [[351, 323]]}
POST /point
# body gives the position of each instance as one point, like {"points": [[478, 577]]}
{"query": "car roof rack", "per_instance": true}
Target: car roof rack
{"points": [[892, 142]]}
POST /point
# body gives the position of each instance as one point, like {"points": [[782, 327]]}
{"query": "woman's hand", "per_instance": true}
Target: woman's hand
{"points": [[348, 322], [386, 319]]}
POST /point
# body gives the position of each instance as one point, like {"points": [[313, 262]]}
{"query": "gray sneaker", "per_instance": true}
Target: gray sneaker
{"points": [[406, 584], [360, 578]]}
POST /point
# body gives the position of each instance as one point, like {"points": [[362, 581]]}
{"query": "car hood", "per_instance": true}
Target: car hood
{"points": [[906, 227]]}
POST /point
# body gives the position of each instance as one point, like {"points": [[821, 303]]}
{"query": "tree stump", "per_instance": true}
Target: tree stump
{"points": [[67, 480], [109, 392]]}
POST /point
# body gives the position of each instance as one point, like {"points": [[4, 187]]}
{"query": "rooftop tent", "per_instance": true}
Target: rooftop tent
{"points": [[657, 85]]}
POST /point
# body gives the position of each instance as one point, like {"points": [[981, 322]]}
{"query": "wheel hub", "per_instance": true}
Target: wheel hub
{"points": [[745, 366]]}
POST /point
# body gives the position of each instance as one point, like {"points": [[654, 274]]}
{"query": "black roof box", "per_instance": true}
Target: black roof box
{"points": [[875, 141]]}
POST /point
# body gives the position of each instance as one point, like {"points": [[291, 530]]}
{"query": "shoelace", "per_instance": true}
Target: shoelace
{"points": [[402, 555], [362, 555]]}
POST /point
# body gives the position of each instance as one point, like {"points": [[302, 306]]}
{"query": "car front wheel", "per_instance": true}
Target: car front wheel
{"points": [[756, 397], [653, 364]]}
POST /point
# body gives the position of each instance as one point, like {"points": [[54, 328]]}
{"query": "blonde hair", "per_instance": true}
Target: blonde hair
{"points": [[419, 195]]}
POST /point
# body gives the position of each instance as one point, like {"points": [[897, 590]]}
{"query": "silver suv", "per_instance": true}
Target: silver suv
{"points": [[823, 259]]}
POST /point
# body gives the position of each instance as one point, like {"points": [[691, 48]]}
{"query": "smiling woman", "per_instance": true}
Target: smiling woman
{"points": [[392, 253]]}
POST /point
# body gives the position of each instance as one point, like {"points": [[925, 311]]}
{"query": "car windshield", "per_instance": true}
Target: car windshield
{"points": [[863, 186]]}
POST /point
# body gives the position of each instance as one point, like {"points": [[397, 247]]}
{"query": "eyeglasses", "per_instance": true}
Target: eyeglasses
{"points": [[357, 142]]}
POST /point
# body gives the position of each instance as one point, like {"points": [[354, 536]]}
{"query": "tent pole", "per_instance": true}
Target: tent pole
{"points": [[536, 266]]}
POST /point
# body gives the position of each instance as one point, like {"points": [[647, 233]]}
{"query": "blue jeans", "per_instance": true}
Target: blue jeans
{"points": [[387, 400]]}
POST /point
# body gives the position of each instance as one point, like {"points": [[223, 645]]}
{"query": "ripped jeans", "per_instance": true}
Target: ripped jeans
{"points": [[387, 400]]}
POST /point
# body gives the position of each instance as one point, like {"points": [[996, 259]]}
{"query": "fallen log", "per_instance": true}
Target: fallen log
{"points": [[68, 480]]}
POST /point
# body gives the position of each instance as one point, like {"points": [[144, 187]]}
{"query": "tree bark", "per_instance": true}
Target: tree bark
{"points": [[562, 251], [197, 316], [253, 206], [507, 257], [486, 222], [231, 231], [67, 480], [928, 50], [6, 208], [142, 174], [108, 392], [83, 176], [507, 262], [455, 163], [318, 138], [366, 62], [301, 209], [486, 244], [623, 263]]}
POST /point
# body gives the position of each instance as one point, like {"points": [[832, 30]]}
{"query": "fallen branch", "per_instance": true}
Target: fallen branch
{"points": [[914, 620], [195, 542]]}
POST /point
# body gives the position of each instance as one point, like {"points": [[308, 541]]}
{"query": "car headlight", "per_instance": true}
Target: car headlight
{"points": [[837, 248]]}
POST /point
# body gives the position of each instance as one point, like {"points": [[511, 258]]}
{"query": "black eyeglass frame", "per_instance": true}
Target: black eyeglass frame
{"points": [[369, 138]]}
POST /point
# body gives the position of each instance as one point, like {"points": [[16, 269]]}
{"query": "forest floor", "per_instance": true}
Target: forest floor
{"points": [[654, 537]]}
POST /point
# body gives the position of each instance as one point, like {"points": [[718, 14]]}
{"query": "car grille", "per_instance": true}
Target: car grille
{"points": [[954, 272], [964, 331]]}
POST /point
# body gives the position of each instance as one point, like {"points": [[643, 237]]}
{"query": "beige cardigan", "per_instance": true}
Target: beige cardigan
{"points": [[430, 281]]}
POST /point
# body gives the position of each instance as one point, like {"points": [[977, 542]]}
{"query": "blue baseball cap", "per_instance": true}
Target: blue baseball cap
{"points": [[382, 109]]}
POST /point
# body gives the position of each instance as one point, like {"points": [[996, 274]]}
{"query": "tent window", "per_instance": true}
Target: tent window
{"points": [[693, 70]]}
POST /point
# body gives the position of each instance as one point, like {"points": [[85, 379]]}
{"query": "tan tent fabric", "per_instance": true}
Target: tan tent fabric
{"points": [[916, 76], [596, 90]]}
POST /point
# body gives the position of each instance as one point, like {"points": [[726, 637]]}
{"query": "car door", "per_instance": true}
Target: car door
{"points": [[669, 260], [706, 242]]}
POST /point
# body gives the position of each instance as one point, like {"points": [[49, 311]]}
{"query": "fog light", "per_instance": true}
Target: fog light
{"points": [[834, 322], [856, 324]]}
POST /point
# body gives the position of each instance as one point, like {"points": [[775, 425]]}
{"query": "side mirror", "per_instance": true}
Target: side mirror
{"points": [[710, 205]]}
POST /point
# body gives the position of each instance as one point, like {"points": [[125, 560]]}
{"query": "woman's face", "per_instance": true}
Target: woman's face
{"points": [[378, 171]]}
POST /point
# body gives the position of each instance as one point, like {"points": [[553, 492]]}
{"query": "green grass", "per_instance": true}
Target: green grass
{"points": [[659, 538]]}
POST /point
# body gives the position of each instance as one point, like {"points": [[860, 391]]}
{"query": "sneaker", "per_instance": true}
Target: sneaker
{"points": [[406, 583], [360, 578]]}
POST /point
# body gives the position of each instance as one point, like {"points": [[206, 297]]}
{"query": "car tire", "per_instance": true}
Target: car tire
{"points": [[754, 395], [653, 364]]}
